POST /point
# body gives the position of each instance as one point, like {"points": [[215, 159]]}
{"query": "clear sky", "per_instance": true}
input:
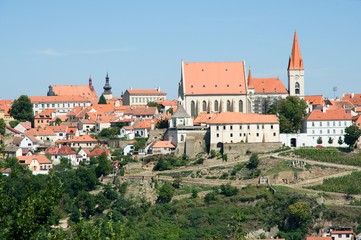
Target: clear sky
{"points": [[141, 43]]}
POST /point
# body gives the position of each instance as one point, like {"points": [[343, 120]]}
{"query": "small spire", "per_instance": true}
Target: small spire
{"points": [[249, 79]]}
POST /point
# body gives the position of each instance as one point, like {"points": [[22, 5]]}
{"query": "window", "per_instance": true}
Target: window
{"points": [[224, 127], [257, 126], [229, 107], [240, 126], [217, 127], [328, 130], [320, 124], [257, 134], [248, 127], [321, 131], [339, 123], [328, 123], [204, 106], [231, 127], [334, 123], [217, 134], [271, 126], [297, 88], [262, 126], [240, 106], [334, 130], [231, 135], [193, 109], [274, 134], [313, 131], [216, 106]]}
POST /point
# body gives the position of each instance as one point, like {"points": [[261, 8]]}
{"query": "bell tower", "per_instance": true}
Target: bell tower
{"points": [[107, 89], [296, 71]]}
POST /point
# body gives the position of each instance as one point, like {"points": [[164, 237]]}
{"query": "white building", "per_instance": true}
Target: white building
{"points": [[37, 164], [62, 104], [138, 97], [235, 127], [163, 147]]}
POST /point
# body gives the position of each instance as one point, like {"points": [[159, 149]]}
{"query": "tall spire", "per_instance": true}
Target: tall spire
{"points": [[295, 61]]}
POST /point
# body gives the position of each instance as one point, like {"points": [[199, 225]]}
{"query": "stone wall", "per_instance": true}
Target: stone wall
{"points": [[234, 150], [195, 143]]}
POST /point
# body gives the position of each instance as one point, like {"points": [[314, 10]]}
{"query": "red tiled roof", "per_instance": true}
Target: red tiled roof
{"points": [[63, 150], [338, 114], [314, 100], [84, 138], [40, 158], [6, 102], [145, 123], [74, 90], [318, 238], [239, 117], [5, 109], [213, 78], [140, 111], [97, 152], [145, 92], [342, 232], [61, 128], [296, 61], [353, 98], [46, 99], [268, 85], [163, 144], [40, 132], [203, 118]]}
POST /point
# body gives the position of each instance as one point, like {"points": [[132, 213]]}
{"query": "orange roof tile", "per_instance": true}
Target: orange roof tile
{"points": [[63, 150], [357, 109], [268, 85], [42, 159], [46, 99], [97, 152], [145, 92], [314, 100], [46, 113], [104, 108], [140, 111], [5, 109], [163, 144], [84, 138], [61, 128], [342, 232], [239, 117], [6, 102], [41, 132], [168, 103], [214, 78], [295, 61], [203, 118], [318, 238], [74, 90], [337, 104], [353, 98], [319, 115]]}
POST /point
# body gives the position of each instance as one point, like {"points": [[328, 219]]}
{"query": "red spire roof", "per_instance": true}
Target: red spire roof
{"points": [[295, 61]]}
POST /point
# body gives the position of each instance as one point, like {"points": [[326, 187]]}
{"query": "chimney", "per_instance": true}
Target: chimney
{"points": [[352, 94], [152, 126]]}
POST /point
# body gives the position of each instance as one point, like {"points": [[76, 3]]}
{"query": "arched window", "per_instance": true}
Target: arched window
{"points": [[204, 106], [193, 109], [229, 107], [216, 107], [240, 106], [182, 138], [297, 88]]}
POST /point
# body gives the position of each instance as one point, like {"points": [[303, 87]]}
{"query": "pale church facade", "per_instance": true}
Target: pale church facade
{"points": [[212, 87]]}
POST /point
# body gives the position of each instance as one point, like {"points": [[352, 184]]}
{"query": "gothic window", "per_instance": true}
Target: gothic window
{"points": [[216, 106], [204, 106], [297, 88], [229, 108], [240, 106], [193, 109]]}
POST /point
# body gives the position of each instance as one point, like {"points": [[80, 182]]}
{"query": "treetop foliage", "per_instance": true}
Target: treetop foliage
{"points": [[22, 109]]}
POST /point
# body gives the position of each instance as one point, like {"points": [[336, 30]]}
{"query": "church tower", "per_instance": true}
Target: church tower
{"points": [[107, 89], [296, 71]]}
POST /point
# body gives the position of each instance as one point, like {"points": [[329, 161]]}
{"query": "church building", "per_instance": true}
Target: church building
{"points": [[211, 87]]}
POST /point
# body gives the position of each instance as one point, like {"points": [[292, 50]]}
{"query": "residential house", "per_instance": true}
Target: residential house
{"points": [[128, 132], [43, 119], [12, 151], [137, 97], [83, 155], [314, 102], [96, 152], [84, 141], [23, 127], [168, 106], [60, 131], [86, 126], [46, 136], [38, 164], [342, 234], [163, 147], [9, 131], [142, 127], [58, 152], [27, 143], [143, 112]]}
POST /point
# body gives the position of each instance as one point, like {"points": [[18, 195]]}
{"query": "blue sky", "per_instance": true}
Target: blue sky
{"points": [[142, 43]]}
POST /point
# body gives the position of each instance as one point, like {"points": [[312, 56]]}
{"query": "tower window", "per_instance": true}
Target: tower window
{"points": [[297, 88]]}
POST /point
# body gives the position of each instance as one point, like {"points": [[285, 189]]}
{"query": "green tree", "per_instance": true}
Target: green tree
{"points": [[164, 123], [2, 126], [104, 166], [14, 123], [170, 111], [58, 121], [102, 100], [340, 141], [299, 214], [319, 140], [291, 111], [166, 193], [154, 104], [253, 161], [330, 140], [227, 190], [352, 134], [22, 109]]}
